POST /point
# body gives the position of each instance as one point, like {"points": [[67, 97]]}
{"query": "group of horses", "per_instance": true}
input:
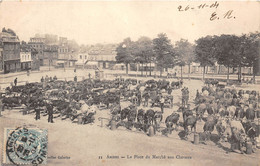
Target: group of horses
{"points": [[138, 118], [231, 112], [65, 95]]}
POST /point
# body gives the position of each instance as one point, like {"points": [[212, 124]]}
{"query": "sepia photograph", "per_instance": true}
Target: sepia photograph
{"points": [[129, 83]]}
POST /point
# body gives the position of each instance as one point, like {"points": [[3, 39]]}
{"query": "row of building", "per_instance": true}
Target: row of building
{"points": [[12, 56], [49, 50]]}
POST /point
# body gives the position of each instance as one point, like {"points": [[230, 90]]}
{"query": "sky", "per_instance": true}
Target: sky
{"points": [[91, 22]]}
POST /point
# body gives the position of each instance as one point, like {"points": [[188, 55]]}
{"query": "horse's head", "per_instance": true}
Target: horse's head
{"points": [[124, 113]]}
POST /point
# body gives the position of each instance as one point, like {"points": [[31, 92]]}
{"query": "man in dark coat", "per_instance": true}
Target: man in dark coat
{"points": [[38, 113], [139, 98], [42, 79], [15, 81], [49, 108]]}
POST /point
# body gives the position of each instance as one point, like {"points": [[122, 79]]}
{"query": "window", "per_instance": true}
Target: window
{"points": [[85, 56], [80, 56], [28, 57]]}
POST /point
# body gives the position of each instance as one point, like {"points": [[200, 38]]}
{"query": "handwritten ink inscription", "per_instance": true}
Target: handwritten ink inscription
{"points": [[214, 16]]}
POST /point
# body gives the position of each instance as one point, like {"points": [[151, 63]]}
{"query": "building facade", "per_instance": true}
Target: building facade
{"points": [[64, 59], [82, 59], [26, 60], [38, 43], [50, 55], [104, 55], [35, 65], [10, 46]]}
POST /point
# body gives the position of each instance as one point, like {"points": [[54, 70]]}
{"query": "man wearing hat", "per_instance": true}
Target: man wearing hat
{"points": [[49, 108], [162, 100], [38, 112]]}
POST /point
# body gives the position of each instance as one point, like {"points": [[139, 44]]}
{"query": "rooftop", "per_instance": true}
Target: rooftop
{"points": [[7, 37]]}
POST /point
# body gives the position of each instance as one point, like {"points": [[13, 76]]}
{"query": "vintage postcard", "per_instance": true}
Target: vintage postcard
{"points": [[129, 83]]}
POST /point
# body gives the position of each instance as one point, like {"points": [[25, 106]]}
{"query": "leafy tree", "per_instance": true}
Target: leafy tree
{"points": [[252, 52], [227, 51], [125, 52], [204, 52], [144, 51], [164, 53], [237, 51], [185, 53]]}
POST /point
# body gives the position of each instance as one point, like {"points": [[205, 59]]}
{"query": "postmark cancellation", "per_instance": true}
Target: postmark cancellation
{"points": [[25, 146]]}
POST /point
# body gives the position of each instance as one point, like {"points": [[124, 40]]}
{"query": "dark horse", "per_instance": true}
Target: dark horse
{"points": [[170, 120], [149, 118]]}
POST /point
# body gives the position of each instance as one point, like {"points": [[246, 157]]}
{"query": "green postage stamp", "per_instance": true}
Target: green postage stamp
{"points": [[25, 146]]}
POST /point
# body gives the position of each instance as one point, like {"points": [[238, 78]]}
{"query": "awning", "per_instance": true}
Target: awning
{"points": [[26, 61], [92, 63], [80, 62], [120, 64], [60, 62]]}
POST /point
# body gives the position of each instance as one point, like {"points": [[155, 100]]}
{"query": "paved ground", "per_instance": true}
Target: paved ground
{"points": [[85, 143], [68, 73]]}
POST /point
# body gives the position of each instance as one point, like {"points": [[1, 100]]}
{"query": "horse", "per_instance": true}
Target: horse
{"points": [[140, 119], [170, 120], [223, 129], [200, 110], [149, 118], [131, 116], [190, 121], [209, 125], [157, 120]]}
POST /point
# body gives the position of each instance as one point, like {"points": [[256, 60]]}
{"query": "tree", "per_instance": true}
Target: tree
{"points": [[185, 53], [252, 52], [144, 51], [125, 52], [226, 47], [204, 52], [164, 53]]}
